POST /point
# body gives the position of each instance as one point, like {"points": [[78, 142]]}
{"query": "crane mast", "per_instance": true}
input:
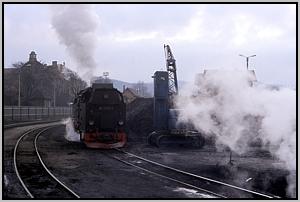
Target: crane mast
{"points": [[171, 68]]}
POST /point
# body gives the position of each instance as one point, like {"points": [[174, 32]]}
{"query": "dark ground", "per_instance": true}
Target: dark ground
{"points": [[257, 169], [92, 174]]}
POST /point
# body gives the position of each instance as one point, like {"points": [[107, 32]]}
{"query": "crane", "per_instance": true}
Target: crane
{"points": [[167, 130], [171, 68]]}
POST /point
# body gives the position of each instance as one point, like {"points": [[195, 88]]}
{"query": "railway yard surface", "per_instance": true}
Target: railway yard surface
{"points": [[93, 173]]}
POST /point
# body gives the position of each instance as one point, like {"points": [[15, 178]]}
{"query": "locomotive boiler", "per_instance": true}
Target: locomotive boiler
{"points": [[99, 115]]}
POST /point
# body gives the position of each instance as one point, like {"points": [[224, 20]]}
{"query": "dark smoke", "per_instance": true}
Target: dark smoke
{"points": [[76, 27]]}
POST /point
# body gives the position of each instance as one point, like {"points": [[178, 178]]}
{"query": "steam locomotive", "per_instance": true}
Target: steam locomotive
{"points": [[99, 115]]}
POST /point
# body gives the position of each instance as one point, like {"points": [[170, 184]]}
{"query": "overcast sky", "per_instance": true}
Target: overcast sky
{"points": [[129, 38]]}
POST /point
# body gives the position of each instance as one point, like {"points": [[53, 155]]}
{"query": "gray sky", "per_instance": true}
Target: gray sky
{"points": [[130, 38]]}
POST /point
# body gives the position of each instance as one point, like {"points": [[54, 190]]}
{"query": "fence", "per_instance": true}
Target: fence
{"points": [[27, 113]]}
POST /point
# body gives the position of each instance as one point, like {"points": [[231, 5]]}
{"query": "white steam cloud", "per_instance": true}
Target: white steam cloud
{"points": [[76, 27], [223, 104], [70, 135]]}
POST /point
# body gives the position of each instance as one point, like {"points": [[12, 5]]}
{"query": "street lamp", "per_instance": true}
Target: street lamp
{"points": [[247, 58], [19, 96], [19, 93]]}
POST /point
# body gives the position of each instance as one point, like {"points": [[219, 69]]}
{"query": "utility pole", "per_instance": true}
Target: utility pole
{"points": [[247, 58], [54, 104], [19, 96]]}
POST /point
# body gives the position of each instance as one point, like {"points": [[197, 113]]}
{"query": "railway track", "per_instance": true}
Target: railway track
{"points": [[34, 176], [212, 187], [14, 125]]}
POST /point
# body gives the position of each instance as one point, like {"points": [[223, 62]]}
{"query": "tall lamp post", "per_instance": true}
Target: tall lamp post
{"points": [[19, 96], [247, 58], [20, 71]]}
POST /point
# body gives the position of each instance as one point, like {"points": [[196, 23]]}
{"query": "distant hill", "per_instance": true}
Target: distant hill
{"points": [[275, 86], [119, 85], [149, 85]]}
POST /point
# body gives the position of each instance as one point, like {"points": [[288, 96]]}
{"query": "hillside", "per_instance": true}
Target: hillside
{"points": [[149, 85]]}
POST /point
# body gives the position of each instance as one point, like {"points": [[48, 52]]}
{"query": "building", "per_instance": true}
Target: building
{"points": [[36, 85], [33, 62], [57, 65], [129, 95]]}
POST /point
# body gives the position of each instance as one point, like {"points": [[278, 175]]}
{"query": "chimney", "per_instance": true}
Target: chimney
{"points": [[123, 88], [54, 63]]}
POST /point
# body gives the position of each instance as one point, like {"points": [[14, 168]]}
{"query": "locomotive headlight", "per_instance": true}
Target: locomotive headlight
{"points": [[121, 122], [91, 122]]}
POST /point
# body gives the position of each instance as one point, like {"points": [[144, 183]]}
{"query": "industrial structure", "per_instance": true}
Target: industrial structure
{"points": [[167, 130]]}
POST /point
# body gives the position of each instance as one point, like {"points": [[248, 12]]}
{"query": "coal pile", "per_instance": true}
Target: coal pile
{"points": [[139, 118]]}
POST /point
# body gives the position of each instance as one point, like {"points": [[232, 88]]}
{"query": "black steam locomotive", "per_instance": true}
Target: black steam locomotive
{"points": [[99, 115]]}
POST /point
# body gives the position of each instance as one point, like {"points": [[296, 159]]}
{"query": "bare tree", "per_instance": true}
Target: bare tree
{"points": [[76, 84], [39, 83], [10, 86]]}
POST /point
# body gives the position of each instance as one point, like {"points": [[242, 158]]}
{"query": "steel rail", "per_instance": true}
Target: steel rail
{"points": [[169, 178], [199, 177], [45, 167], [39, 156], [15, 161]]}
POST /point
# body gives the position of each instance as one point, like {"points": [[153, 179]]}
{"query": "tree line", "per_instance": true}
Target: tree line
{"points": [[41, 85]]}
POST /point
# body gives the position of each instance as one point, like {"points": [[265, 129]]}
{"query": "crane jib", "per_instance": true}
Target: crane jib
{"points": [[171, 68]]}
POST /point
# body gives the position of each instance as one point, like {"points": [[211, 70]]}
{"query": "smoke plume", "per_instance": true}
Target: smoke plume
{"points": [[76, 27], [225, 105]]}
